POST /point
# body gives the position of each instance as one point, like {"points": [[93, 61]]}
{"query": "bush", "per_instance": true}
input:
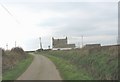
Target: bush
{"points": [[18, 50], [2, 52], [12, 57]]}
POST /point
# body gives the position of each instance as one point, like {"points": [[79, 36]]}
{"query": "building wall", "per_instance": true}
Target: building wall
{"points": [[61, 43], [71, 45], [92, 46]]}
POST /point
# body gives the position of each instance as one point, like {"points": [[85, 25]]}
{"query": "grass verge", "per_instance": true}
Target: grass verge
{"points": [[69, 71], [95, 65], [17, 70]]}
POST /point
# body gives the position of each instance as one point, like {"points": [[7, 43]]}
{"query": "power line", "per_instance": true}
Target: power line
{"points": [[5, 8]]}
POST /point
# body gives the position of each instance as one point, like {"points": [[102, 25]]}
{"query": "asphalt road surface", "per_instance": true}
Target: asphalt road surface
{"points": [[41, 69]]}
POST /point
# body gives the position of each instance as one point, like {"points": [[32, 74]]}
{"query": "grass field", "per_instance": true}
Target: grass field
{"points": [[69, 71], [77, 65], [16, 71]]}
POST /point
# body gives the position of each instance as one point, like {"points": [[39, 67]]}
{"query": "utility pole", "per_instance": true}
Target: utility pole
{"points": [[40, 43], [78, 44], [82, 40], [7, 46], [48, 47], [15, 43]]}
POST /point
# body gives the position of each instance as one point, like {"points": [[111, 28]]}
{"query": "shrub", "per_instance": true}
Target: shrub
{"points": [[2, 51], [12, 57], [18, 50]]}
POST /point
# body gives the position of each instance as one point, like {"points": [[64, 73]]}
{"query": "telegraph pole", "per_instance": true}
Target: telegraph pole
{"points": [[48, 47], [7, 46], [15, 43], [40, 43], [82, 40]]}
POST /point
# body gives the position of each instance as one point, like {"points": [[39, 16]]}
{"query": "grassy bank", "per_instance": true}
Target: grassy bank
{"points": [[16, 71], [69, 71], [76, 64]]}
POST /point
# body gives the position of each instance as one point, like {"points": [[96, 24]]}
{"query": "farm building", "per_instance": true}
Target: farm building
{"points": [[92, 46], [61, 44]]}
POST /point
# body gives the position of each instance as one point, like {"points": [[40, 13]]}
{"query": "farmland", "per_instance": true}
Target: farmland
{"points": [[95, 64]]}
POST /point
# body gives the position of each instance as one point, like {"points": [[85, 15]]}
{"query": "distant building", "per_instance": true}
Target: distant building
{"points": [[61, 44], [92, 46]]}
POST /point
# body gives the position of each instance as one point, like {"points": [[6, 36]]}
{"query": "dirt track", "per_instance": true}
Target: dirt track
{"points": [[41, 69]]}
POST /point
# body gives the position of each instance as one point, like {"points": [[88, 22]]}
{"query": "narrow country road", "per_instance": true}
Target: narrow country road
{"points": [[41, 69]]}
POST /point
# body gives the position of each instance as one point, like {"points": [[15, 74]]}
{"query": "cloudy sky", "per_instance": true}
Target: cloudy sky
{"points": [[24, 21]]}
